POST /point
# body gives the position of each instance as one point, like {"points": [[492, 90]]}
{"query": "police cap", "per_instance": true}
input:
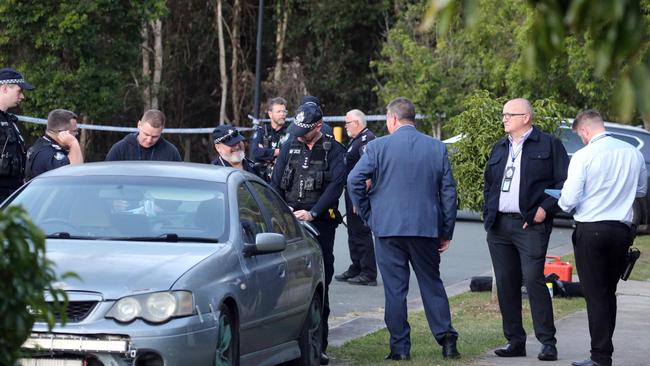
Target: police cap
{"points": [[227, 134], [11, 76]]}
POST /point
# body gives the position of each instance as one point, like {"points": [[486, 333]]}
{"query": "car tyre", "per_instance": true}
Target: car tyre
{"points": [[311, 335], [227, 347]]}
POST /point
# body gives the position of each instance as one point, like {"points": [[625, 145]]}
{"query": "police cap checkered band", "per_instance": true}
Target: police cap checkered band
{"points": [[230, 134], [13, 81]]}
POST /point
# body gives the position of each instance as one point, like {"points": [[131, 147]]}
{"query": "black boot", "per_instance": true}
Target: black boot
{"points": [[449, 349]]}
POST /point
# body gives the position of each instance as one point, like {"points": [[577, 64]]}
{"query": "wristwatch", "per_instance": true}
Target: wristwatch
{"points": [[313, 214]]}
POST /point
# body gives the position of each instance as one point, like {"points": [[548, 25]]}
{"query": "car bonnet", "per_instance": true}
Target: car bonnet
{"points": [[118, 269]]}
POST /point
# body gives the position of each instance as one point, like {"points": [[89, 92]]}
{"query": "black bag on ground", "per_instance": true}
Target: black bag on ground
{"points": [[480, 284]]}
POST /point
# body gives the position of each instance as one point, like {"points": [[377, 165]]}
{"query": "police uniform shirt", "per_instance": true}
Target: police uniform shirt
{"points": [[357, 147], [270, 139], [44, 156], [12, 152], [332, 188]]}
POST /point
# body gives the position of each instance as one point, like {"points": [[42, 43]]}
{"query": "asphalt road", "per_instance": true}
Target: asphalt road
{"points": [[467, 256]]}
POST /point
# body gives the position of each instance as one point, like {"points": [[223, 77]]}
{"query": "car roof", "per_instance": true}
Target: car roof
{"points": [[182, 170], [615, 125]]}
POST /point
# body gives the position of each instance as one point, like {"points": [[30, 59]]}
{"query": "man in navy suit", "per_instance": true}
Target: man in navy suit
{"points": [[410, 205]]}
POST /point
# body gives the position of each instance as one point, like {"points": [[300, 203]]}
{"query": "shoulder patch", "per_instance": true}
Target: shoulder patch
{"points": [[59, 156], [57, 147]]}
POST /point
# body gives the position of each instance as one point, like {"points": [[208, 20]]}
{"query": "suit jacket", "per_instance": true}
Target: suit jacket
{"points": [[544, 164], [413, 191]]}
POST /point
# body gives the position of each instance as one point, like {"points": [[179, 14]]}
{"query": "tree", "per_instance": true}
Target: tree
{"points": [[616, 48], [27, 277]]}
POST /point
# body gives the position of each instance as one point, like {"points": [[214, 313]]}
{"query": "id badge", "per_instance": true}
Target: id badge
{"points": [[507, 179]]}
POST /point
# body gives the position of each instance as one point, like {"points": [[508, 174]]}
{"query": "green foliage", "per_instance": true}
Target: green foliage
{"points": [[27, 275], [612, 39], [79, 55], [480, 126]]}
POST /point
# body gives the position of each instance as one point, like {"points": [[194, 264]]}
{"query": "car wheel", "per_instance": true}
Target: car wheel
{"points": [[227, 349], [311, 335]]}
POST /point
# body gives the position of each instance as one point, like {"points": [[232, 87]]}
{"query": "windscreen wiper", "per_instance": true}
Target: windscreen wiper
{"points": [[167, 237], [66, 235]]}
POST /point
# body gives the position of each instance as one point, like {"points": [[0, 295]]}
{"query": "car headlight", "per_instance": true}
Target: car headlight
{"points": [[156, 307]]}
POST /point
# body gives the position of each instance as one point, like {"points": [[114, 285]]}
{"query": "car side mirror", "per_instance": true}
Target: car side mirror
{"points": [[266, 243]]}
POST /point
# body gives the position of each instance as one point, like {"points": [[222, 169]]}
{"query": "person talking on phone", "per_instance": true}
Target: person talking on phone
{"points": [[57, 147]]}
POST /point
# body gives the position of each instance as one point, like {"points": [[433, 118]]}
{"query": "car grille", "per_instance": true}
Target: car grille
{"points": [[77, 311]]}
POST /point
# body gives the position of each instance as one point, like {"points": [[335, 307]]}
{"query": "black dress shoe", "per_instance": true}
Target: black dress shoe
{"points": [[324, 360], [548, 353], [511, 351], [343, 277], [362, 280], [587, 362], [449, 349], [398, 356]]}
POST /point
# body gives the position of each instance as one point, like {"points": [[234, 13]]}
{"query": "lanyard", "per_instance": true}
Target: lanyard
{"points": [[513, 153]]}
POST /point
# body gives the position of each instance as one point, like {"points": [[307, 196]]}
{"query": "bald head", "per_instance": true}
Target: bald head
{"points": [[522, 104], [517, 117]]}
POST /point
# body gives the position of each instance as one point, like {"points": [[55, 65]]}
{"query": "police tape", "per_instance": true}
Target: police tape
{"points": [[199, 130], [369, 118], [86, 126]]}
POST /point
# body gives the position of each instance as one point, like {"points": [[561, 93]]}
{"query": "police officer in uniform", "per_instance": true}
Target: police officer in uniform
{"points": [[268, 139], [363, 270], [309, 174], [12, 144], [229, 144], [58, 147]]}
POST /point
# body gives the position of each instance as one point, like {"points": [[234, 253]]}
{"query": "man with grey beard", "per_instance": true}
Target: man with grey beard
{"points": [[229, 144]]}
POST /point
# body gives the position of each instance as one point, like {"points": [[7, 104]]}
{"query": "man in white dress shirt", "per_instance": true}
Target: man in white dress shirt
{"points": [[604, 178]]}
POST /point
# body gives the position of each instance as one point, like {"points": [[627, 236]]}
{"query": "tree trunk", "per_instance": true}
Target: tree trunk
{"points": [[156, 25], [646, 123], [222, 64], [236, 50], [280, 36], [146, 69]]}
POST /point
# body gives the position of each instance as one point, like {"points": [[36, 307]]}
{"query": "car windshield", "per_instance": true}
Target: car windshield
{"points": [[127, 208]]}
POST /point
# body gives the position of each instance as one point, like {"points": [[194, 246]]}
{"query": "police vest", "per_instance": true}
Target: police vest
{"points": [[304, 184], [274, 139], [12, 147]]}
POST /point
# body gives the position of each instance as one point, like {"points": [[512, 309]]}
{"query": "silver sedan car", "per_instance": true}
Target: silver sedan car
{"points": [[178, 264]]}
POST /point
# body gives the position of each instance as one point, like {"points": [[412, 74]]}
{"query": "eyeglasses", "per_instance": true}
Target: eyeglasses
{"points": [[347, 123], [225, 138], [510, 115]]}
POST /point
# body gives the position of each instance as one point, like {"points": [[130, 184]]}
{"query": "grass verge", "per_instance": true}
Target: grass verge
{"points": [[476, 319]]}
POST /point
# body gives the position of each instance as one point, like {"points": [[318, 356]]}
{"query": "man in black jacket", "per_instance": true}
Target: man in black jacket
{"points": [[518, 217], [147, 143]]}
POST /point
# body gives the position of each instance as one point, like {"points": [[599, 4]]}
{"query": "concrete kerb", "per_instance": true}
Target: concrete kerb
{"points": [[356, 325]]}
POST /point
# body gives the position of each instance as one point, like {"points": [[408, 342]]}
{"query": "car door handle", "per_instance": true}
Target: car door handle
{"points": [[282, 270]]}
